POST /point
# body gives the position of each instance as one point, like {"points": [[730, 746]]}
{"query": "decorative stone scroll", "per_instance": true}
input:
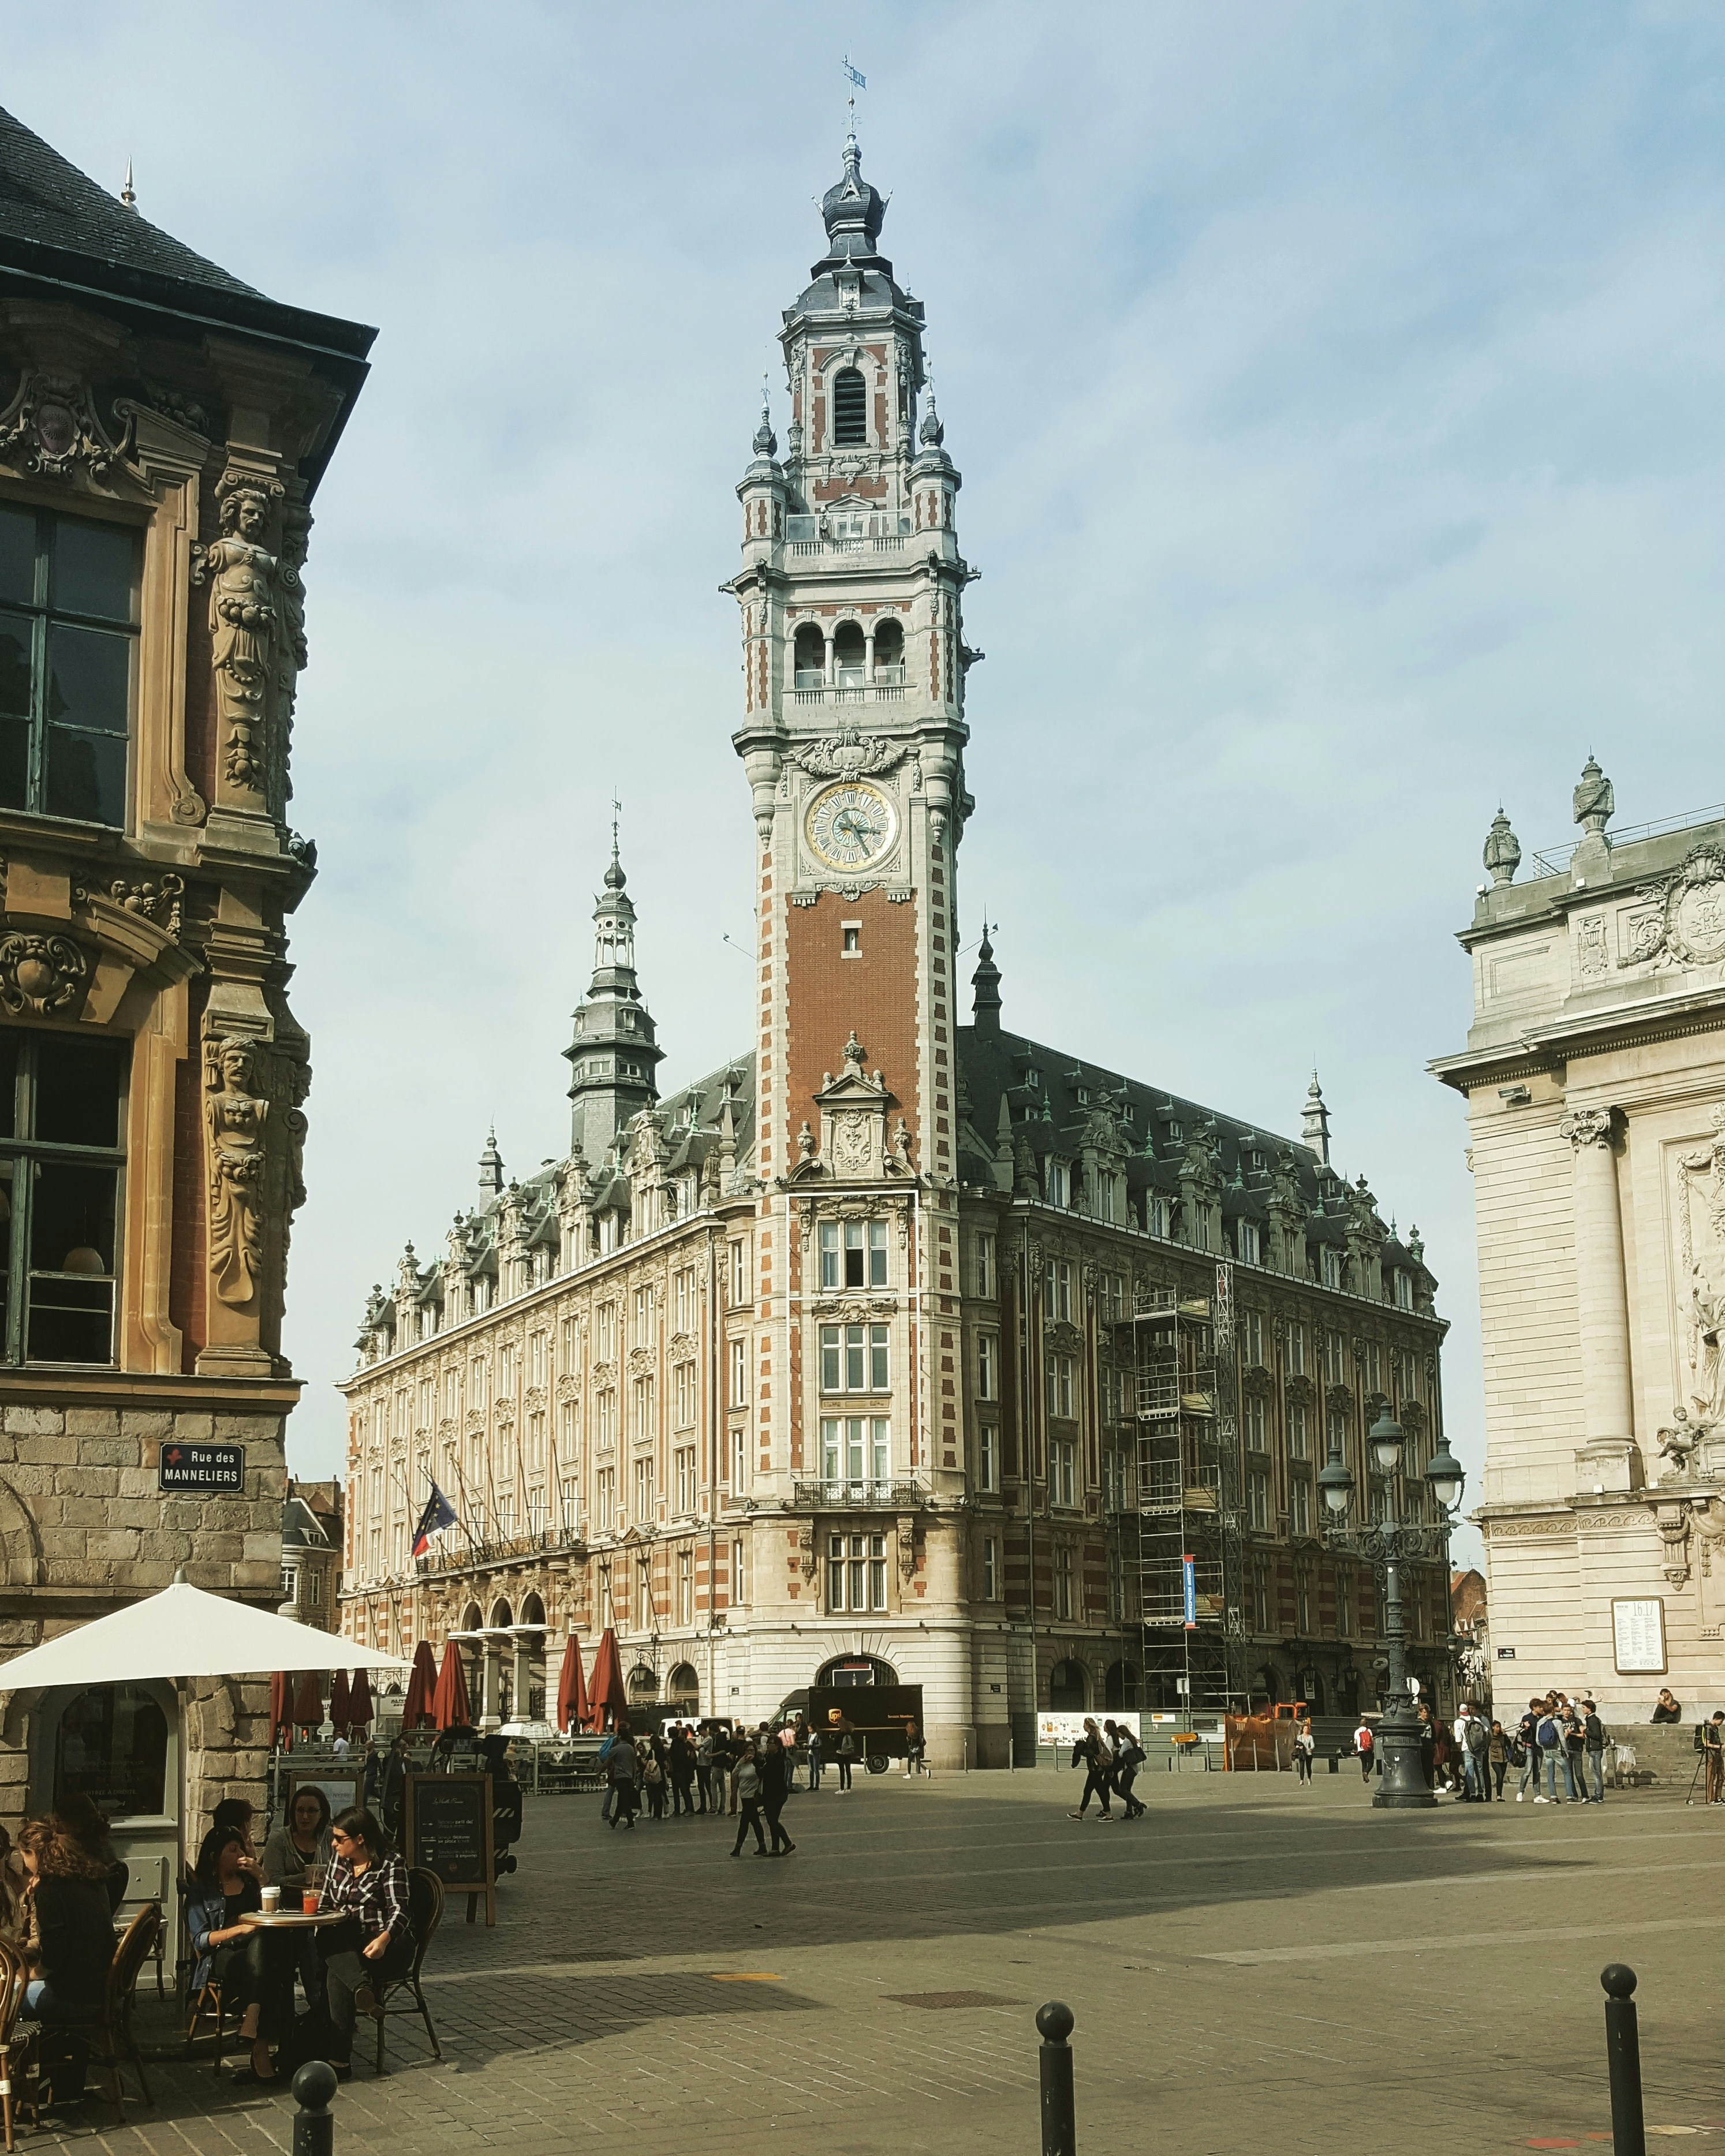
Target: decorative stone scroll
{"points": [[40, 973], [51, 428]]}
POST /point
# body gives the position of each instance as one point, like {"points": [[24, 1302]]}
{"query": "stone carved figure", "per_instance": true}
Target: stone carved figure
{"points": [[1593, 802], [1503, 853], [246, 622], [237, 1114], [1700, 1252], [1676, 1443]]}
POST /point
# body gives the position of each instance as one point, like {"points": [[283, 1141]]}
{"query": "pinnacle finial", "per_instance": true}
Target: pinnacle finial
{"points": [[766, 441], [1503, 853], [128, 194], [614, 877]]}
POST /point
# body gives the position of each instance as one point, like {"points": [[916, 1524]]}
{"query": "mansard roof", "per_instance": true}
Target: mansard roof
{"points": [[1052, 1095]]}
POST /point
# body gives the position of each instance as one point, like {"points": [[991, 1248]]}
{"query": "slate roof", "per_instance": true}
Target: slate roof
{"points": [[1052, 1093], [46, 199]]}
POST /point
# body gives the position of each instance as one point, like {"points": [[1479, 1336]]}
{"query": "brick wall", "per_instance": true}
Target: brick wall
{"points": [[828, 995]]}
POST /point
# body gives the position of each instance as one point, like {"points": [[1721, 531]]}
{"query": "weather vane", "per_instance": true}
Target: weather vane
{"points": [[858, 81]]}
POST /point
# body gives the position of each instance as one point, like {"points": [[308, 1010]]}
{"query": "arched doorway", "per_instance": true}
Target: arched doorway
{"points": [[1068, 1687], [1119, 1685], [856, 1669], [682, 1690], [120, 1745], [642, 1685]]}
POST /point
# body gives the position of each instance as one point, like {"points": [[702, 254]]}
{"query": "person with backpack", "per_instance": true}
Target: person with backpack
{"points": [[1476, 1742], [620, 1771], [1548, 1735], [1099, 1766], [1364, 1745], [1712, 1735], [845, 1753]]}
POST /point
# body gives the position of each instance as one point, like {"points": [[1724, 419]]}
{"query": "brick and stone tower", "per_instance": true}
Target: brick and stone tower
{"points": [[852, 739]]}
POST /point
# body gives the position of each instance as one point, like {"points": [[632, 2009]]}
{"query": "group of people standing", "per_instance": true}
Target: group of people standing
{"points": [[709, 1769], [1110, 1756]]}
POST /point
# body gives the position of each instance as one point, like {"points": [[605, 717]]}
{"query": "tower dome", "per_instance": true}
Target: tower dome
{"points": [[852, 210]]}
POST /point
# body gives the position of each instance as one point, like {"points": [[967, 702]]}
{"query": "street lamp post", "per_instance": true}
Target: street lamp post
{"points": [[1388, 1544]]}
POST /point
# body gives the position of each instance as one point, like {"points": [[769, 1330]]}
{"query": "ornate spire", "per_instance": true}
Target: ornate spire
{"points": [[491, 1166], [1503, 850], [766, 441], [852, 211], [932, 433], [985, 986], [128, 194], [614, 1055], [1315, 1121]]}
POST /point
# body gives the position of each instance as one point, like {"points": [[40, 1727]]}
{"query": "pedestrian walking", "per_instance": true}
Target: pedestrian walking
{"points": [[1477, 1746], [1305, 1744], [913, 1749], [815, 1761], [845, 1753], [778, 1772], [748, 1796], [1098, 1772], [704, 1766], [1129, 1755], [1497, 1744], [1364, 1745], [1524, 1749]]}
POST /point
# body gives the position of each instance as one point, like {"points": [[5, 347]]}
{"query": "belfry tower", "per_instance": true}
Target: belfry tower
{"points": [[853, 739], [614, 1057]]}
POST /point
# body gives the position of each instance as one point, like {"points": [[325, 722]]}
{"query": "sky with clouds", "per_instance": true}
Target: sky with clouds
{"points": [[1336, 390]]}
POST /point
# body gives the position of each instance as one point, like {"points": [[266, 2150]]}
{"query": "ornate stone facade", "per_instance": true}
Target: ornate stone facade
{"points": [[164, 430], [828, 1357], [1594, 1074]]}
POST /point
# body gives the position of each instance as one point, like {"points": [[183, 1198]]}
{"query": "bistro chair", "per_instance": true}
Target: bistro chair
{"points": [[425, 1910], [106, 2033], [14, 1975], [219, 2022]]}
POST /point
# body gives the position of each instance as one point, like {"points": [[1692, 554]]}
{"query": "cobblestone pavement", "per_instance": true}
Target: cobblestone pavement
{"points": [[1251, 1966]]}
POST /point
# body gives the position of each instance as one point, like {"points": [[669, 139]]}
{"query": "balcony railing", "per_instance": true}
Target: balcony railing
{"points": [[460, 1556], [812, 689], [856, 1496]]}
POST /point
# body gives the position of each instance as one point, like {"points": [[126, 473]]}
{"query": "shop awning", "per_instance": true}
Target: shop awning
{"points": [[183, 1632]]}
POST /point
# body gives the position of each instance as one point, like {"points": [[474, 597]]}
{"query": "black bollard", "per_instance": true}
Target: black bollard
{"points": [[313, 2129], [1060, 2134], [1623, 2056]]}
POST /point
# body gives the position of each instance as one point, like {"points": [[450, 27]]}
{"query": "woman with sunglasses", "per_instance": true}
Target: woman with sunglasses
{"points": [[367, 1884]]}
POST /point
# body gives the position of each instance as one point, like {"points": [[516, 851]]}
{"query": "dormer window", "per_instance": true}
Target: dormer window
{"points": [[850, 410], [1059, 1186], [1176, 1131]]}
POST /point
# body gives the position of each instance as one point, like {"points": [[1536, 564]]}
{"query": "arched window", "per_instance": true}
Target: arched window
{"points": [[889, 652], [856, 1669], [811, 656], [501, 1616], [847, 654], [643, 1683], [532, 1610], [1119, 1685], [1067, 1688], [472, 1620], [682, 1687], [850, 410]]}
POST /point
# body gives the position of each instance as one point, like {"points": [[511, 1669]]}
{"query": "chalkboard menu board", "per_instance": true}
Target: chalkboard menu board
{"points": [[447, 1829]]}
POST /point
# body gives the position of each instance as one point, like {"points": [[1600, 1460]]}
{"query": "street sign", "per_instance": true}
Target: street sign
{"points": [[201, 1469], [1188, 1578]]}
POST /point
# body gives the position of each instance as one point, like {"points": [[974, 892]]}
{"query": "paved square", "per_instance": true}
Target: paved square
{"points": [[1253, 1965]]}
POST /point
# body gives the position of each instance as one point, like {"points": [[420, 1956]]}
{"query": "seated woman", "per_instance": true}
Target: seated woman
{"points": [[367, 1884], [74, 1931], [248, 1963], [297, 1854], [87, 1828], [1668, 1708]]}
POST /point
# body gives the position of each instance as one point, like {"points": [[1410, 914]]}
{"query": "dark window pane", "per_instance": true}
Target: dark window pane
{"points": [[78, 1085], [72, 1225], [15, 632], [87, 671], [14, 763], [70, 1321], [10, 1047], [92, 570], [86, 776], [17, 554], [113, 1749]]}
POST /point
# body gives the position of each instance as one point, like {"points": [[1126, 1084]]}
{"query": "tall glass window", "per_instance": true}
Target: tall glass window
{"points": [[68, 627], [61, 1155], [854, 1448]]}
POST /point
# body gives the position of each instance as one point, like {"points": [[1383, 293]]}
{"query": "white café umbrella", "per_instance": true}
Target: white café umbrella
{"points": [[183, 1632]]}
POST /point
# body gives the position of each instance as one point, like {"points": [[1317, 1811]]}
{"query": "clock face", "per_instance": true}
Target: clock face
{"points": [[851, 825]]}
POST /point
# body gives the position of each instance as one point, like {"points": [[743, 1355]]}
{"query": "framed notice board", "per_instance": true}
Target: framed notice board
{"points": [[446, 1828], [1638, 1635]]}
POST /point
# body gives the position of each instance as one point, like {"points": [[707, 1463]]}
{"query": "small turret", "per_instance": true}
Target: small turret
{"points": [[490, 1166], [985, 985], [1315, 1121], [614, 1057]]}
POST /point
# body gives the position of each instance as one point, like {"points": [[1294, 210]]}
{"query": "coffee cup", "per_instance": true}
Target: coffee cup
{"points": [[272, 1900]]}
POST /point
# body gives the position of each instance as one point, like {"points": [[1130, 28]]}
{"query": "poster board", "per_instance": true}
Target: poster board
{"points": [[1066, 1730], [446, 1828], [1638, 1635]]}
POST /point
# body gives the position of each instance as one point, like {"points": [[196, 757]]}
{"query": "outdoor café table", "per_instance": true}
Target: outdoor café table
{"points": [[293, 1920]]}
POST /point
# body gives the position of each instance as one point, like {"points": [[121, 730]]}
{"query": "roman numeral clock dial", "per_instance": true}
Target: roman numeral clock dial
{"points": [[851, 826]]}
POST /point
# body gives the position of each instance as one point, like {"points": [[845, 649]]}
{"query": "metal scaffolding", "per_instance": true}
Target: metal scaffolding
{"points": [[1186, 1496]]}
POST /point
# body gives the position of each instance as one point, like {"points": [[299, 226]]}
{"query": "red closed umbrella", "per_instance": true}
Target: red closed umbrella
{"points": [[607, 1693], [571, 1687], [281, 1708], [360, 1709], [450, 1707], [340, 1714], [422, 1684], [308, 1702]]}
